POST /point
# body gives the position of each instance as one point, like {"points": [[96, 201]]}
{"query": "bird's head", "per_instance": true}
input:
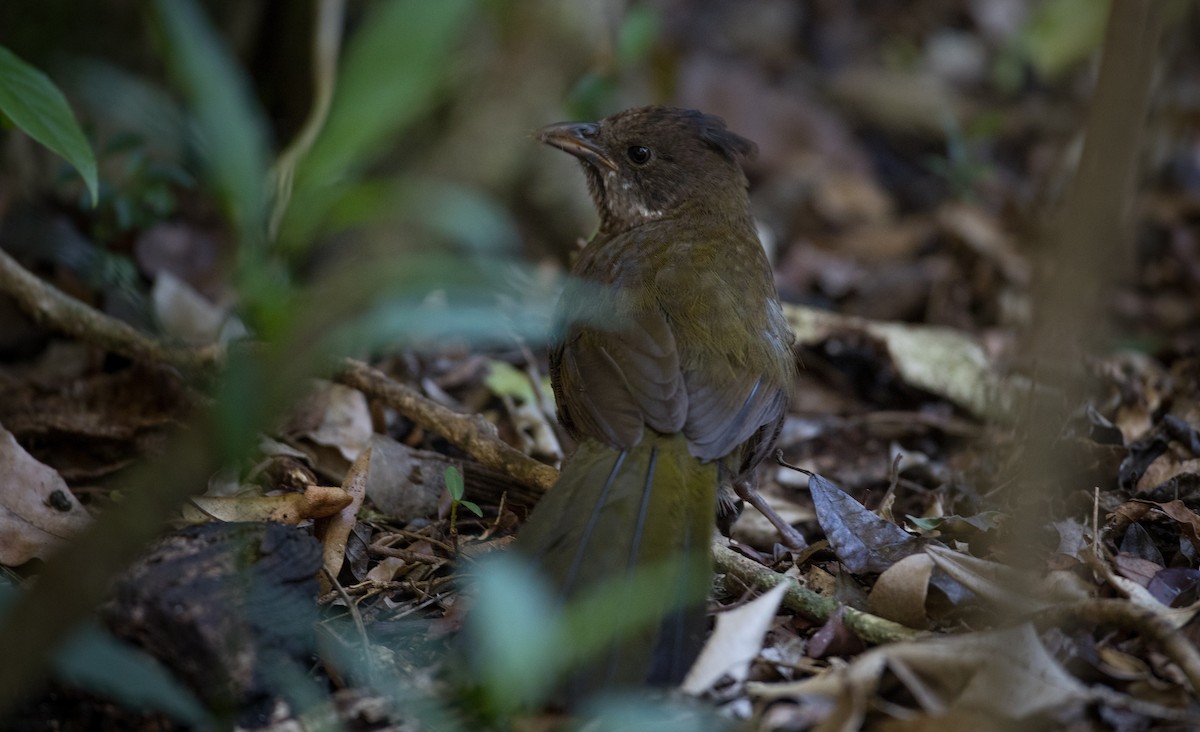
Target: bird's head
{"points": [[650, 163]]}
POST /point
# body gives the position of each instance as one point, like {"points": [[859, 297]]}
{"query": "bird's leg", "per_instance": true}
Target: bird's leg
{"points": [[792, 538]]}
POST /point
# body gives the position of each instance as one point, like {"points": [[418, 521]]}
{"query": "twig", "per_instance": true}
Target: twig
{"points": [[871, 628], [359, 626], [417, 536], [351, 608], [52, 308], [472, 433]]}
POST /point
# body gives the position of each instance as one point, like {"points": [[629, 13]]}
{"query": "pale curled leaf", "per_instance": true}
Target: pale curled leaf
{"points": [[735, 642], [37, 510], [386, 570], [185, 314], [290, 508], [939, 360], [504, 379]]}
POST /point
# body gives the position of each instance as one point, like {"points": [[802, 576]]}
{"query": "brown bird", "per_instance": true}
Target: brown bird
{"points": [[671, 363]]}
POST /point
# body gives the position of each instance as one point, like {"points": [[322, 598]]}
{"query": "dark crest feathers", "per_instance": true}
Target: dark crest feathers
{"points": [[730, 144]]}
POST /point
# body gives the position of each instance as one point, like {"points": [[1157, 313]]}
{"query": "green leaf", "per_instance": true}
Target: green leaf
{"points": [[639, 32], [394, 67], [454, 484], [472, 507], [504, 379], [516, 633], [1061, 33], [94, 660], [37, 107], [231, 134]]}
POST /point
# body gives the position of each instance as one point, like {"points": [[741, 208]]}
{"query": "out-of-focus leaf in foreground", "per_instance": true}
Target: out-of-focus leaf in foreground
{"points": [[95, 661], [393, 69], [37, 107], [230, 132]]}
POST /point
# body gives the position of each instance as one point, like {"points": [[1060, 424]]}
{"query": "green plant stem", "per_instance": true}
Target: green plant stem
{"points": [[870, 628]]}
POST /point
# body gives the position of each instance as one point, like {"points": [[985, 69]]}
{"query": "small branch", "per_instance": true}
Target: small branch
{"points": [[472, 433], [871, 628], [55, 309]]}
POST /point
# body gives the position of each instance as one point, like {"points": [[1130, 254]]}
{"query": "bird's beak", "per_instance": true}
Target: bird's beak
{"points": [[579, 139]]}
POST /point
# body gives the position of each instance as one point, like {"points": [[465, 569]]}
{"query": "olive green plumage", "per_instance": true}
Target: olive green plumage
{"points": [[671, 363]]}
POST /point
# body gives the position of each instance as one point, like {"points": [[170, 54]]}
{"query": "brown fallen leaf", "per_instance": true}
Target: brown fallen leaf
{"points": [[335, 416], [900, 592], [334, 531], [1006, 674], [1009, 588]]}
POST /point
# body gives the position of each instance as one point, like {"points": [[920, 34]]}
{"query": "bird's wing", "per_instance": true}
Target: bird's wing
{"points": [[616, 377], [616, 370]]}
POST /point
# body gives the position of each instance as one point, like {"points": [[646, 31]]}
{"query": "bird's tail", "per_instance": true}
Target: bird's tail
{"points": [[629, 531]]}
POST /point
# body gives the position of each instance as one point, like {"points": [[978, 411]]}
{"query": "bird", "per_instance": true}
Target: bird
{"points": [[671, 364]]}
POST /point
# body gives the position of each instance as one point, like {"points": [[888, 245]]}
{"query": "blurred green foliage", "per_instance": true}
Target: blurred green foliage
{"points": [[1062, 33], [430, 261], [597, 92], [962, 166], [524, 644], [138, 190], [93, 660], [36, 106], [392, 73]]}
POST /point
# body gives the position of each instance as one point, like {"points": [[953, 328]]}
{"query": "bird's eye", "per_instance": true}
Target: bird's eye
{"points": [[638, 155]]}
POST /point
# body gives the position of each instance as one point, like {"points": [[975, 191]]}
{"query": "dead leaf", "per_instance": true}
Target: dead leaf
{"points": [[863, 541], [290, 508], [1022, 592], [37, 509], [835, 639], [1005, 674], [846, 198], [1135, 568], [899, 593], [334, 531], [386, 570], [1140, 596], [981, 232], [184, 313], [941, 361], [405, 483], [1189, 522], [1175, 585], [735, 642], [335, 416]]}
